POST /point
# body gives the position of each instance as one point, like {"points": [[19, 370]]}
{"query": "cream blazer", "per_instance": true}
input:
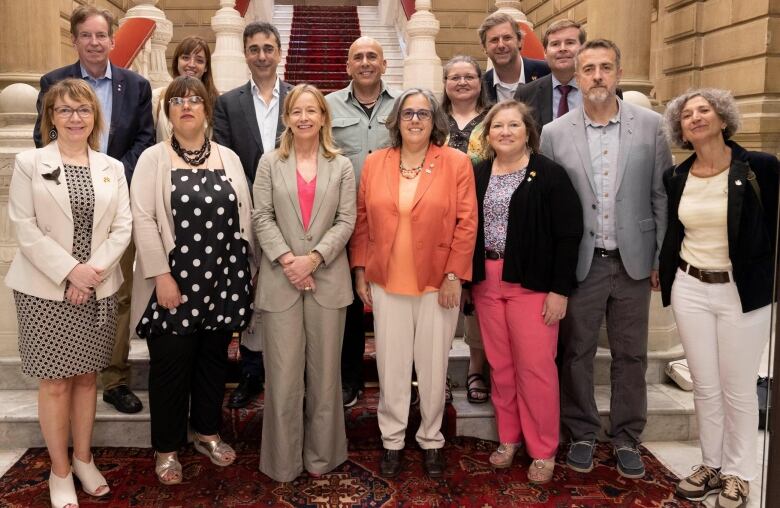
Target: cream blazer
{"points": [[39, 209], [150, 199]]}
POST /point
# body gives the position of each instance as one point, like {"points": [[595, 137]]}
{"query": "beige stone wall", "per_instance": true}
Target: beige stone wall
{"points": [[459, 21]]}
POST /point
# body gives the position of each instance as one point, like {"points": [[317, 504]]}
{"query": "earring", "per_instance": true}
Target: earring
{"points": [[53, 134]]}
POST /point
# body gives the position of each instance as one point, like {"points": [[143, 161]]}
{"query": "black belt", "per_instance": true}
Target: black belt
{"points": [[604, 253], [707, 276], [491, 254]]}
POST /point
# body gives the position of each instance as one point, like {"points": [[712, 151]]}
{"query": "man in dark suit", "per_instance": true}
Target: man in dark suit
{"points": [[555, 94], [126, 101], [247, 120], [502, 41]]}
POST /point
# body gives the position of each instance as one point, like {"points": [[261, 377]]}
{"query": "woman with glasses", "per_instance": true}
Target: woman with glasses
{"points": [[71, 213], [192, 57], [191, 292], [530, 227], [411, 250], [466, 104]]}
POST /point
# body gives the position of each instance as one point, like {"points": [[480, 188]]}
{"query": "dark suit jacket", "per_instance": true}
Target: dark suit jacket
{"points": [[132, 129], [751, 221], [235, 125], [534, 69]]}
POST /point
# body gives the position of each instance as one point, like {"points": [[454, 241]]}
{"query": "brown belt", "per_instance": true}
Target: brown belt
{"points": [[707, 276]]}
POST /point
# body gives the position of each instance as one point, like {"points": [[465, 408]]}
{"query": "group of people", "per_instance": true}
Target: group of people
{"points": [[280, 213]]}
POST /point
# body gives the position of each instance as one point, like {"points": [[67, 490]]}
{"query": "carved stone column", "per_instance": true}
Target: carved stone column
{"points": [[422, 66], [512, 7], [17, 118], [228, 61], [30, 40], [151, 62], [627, 23]]}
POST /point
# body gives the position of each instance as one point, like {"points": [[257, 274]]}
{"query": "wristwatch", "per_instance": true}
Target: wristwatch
{"points": [[452, 276]]}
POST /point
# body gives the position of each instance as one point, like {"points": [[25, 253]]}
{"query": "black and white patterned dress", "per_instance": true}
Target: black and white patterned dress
{"points": [[210, 262], [56, 338]]}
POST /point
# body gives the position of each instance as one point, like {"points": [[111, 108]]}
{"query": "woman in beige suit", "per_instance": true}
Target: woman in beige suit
{"points": [[71, 213], [304, 195]]}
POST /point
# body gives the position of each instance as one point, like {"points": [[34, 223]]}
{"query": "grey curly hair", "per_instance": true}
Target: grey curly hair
{"points": [[721, 101], [441, 127]]}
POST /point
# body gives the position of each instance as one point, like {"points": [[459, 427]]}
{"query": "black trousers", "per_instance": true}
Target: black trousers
{"points": [[354, 345], [186, 372]]}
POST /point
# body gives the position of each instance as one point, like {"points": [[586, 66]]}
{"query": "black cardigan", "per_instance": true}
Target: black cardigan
{"points": [[751, 225], [543, 231]]}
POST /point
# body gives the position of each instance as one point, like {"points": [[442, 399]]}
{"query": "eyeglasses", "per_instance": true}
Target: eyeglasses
{"points": [[193, 100], [66, 112], [470, 78], [422, 114]]}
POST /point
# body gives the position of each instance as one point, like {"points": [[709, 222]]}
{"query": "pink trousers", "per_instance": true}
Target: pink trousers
{"points": [[521, 351]]}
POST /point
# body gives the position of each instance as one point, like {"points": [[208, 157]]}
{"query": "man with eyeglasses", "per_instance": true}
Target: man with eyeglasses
{"points": [[247, 120], [502, 41], [359, 114], [125, 100]]}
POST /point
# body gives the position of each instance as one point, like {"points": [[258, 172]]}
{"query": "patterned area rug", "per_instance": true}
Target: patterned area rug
{"points": [[469, 482]]}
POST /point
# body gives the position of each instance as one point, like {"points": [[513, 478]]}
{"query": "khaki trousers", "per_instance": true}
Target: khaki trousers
{"points": [[411, 330], [302, 359], [118, 372]]}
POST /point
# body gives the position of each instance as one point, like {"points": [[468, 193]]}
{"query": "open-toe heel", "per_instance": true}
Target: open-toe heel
{"points": [[62, 492], [90, 477], [218, 451], [165, 465]]}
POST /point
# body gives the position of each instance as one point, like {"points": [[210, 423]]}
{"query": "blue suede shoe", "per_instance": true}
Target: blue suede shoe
{"points": [[580, 456], [629, 461]]}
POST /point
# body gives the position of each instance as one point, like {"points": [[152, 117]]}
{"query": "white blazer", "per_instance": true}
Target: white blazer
{"points": [[39, 209]]}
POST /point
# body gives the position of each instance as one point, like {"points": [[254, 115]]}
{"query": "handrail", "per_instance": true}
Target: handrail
{"points": [[532, 46], [408, 6], [129, 40], [242, 6]]}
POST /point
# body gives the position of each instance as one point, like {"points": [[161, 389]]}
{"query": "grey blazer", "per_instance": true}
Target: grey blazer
{"points": [[640, 200], [278, 225]]}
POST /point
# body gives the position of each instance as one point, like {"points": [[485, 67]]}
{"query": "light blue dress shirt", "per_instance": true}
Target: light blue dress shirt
{"points": [[603, 143], [104, 90]]}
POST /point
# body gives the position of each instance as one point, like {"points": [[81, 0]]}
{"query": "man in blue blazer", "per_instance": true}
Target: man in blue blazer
{"points": [[615, 154], [126, 101], [502, 41]]}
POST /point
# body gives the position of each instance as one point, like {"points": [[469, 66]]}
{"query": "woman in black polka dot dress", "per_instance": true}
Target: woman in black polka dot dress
{"points": [[193, 276]]}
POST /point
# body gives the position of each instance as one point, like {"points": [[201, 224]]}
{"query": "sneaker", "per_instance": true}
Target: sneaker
{"points": [[629, 461], [350, 395], [734, 492], [704, 481], [580, 456]]}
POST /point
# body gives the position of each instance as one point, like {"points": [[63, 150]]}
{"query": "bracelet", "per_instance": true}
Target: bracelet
{"points": [[316, 260]]}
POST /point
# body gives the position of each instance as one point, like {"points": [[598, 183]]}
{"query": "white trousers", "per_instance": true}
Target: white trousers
{"points": [[723, 346], [411, 329]]}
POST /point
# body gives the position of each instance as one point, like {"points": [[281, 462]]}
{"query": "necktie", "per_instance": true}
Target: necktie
{"points": [[563, 106]]}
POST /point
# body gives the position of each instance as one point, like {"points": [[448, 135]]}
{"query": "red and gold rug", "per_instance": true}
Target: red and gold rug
{"points": [[469, 482]]}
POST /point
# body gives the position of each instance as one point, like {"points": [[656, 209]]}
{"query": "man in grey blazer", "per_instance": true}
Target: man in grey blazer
{"points": [[247, 120], [615, 154]]}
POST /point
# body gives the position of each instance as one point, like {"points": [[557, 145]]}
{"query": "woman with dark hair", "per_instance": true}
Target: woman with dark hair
{"points": [[70, 210], [192, 57], [530, 227], [717, 270], [466, 104], [191, 291], [412, 247]]}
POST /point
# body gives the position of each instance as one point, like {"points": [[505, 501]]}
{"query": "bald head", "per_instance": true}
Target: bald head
{"points": [[366, 64]]}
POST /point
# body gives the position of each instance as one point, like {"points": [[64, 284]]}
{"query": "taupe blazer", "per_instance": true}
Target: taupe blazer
{"points": [[279, 228], [153, 228], [39, 209]]}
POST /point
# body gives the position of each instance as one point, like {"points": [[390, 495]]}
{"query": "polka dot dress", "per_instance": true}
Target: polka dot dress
{"points": [[210, 262], [56, 338]]}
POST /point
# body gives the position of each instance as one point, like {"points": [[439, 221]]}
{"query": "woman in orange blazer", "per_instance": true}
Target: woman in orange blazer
{"points": [[412, 248]]}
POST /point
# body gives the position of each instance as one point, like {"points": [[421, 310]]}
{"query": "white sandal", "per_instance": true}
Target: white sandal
{"points": [[62, 492], [90, 476]]}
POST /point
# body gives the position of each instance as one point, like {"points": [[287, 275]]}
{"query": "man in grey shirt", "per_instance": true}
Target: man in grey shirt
{"points": [[615, 154], [359, 113]]}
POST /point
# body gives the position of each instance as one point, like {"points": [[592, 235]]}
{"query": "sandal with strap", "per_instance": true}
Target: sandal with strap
{"points": [[216, 450], [62, 492], [90, 477], [448, 391], [473, 392], [541, 470], [165, 465]]}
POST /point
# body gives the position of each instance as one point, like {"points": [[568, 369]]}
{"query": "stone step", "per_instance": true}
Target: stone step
{"points": [[670, 418]]}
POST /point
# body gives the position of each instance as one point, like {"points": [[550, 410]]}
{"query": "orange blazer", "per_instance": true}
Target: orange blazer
{"points": [[444, 216]]}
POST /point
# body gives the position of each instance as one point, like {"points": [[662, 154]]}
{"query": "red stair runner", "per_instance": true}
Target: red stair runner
{"points": [[319, 43]]}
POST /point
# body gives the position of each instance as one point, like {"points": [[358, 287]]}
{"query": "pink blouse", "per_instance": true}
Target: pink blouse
{"points": [[306, 197]]}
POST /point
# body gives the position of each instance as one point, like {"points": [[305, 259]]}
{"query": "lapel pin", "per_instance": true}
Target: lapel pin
{"points": [[106, 179], [738, 182], [53, 176]]}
